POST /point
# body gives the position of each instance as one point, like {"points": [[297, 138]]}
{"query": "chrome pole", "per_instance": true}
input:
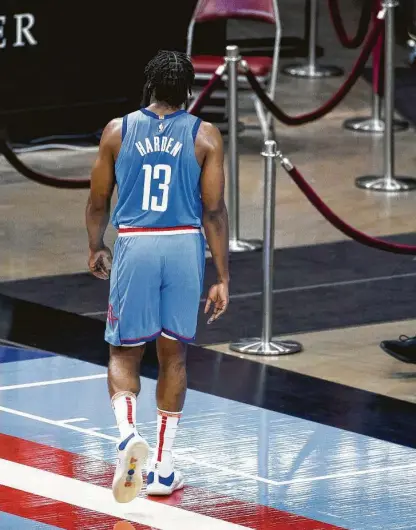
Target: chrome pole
{"points": [[388, 182], [312, 70], [269, 154], [267, 345], [374, 124], [389, 94], [233, 59]]}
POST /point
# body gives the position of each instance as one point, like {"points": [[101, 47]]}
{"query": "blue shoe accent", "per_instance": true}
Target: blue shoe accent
{"points": [[150, 478], [168, 481], [123, 444]]}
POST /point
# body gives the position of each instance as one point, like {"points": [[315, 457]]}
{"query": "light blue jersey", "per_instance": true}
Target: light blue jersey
{"points": [[158, 175], [159, 257]]}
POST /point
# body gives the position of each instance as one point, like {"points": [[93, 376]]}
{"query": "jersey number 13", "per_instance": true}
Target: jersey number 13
{"points": [[162, 173]]}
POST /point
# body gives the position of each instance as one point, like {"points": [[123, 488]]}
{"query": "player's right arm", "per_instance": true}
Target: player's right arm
{"points": [[97, 212], [215, 215]]}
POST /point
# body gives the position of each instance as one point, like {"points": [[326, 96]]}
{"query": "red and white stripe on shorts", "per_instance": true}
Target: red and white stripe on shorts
{"points": [[127, 231]]}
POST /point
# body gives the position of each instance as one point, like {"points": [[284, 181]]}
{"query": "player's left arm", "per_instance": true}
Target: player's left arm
{"points": [[99, 200]]}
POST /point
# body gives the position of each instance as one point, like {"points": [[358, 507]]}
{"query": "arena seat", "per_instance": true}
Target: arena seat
{"points": [[264, 68]]}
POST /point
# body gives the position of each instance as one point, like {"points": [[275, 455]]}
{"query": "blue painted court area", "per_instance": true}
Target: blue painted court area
{"points": [[323, 473], [8, 521], [10, 354]]}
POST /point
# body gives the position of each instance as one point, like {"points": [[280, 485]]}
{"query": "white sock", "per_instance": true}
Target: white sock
{"points": [[124, 406], [167, 424]]}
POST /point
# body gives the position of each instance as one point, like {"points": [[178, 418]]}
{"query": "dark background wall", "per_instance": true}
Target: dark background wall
{"points": [[87, 64]]}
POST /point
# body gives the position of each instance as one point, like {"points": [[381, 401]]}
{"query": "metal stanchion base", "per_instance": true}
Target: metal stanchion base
{"points": [[256, 346], [241, 245], [370, 125], [311, 71], [376, 183]]}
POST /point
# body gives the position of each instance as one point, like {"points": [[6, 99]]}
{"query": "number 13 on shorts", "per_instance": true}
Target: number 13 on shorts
{"points": [[162, 173]]}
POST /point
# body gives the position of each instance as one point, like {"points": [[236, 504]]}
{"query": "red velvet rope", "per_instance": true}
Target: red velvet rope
{"points": [[363, 24], [341, 225], [83, 183], [40, 178], [209, 88], [336, 98], [378, 63]]}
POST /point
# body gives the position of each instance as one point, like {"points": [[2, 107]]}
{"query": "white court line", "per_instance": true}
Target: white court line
{"points": [[71, 420], [89, 496], [296, 289], [185, 422], [6, 342], [63, 425], [191, 417], [94, 313], [54, 381], [329, 284], [222, 469], [144, 423]]}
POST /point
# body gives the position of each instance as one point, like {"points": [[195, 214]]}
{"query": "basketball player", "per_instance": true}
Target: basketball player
{"points": [[168, 168]]}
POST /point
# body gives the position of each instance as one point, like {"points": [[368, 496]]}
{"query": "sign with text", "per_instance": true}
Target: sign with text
{"points": [[21, 27], [76, 54]]}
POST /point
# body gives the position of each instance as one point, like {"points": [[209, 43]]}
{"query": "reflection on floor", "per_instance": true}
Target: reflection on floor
{"points": [[350, 356], [238, 455]]}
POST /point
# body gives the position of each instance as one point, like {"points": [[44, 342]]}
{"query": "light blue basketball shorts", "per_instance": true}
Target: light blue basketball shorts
{"points": [[155, 286]]}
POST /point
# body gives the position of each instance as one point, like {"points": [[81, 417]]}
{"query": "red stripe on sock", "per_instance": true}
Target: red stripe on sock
{"points": [[162, 437], [129, 411]]}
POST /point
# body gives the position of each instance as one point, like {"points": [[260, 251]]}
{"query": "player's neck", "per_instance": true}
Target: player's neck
{"points": [[161, 108]]}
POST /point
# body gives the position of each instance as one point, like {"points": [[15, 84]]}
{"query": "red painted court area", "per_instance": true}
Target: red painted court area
{"points": [[75, 507]]}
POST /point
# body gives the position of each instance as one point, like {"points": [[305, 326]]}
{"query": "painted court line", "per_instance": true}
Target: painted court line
{"points": [[222, 469], [190, 417], [95, 471], [33, 509], [92, 497], [68, 426], [324, 285], [295, 289], [5, 342], [71, 420], [54, 382]]}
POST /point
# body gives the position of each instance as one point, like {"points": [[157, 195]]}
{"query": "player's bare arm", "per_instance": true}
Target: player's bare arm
{"points": [[99, 200], [215, 215]]}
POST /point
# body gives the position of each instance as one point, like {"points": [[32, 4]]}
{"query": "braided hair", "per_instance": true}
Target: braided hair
{"points": [[169, 77]]}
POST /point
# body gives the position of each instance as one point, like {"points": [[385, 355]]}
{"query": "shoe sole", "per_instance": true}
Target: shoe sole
{"points": [[396, 355], [137, 454], [159, 490]]}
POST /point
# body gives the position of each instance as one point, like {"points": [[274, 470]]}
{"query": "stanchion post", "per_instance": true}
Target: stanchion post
{"points": [[388, 182], [233, 59], [312, 70], [266, 344], [374, 124]]}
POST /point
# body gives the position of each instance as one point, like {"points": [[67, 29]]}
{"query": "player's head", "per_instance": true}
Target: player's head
{"points": [[169, 77]]}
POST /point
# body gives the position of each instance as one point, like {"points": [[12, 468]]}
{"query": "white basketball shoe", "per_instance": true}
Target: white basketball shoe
{"points": [[132, 458], [166, 484]]}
